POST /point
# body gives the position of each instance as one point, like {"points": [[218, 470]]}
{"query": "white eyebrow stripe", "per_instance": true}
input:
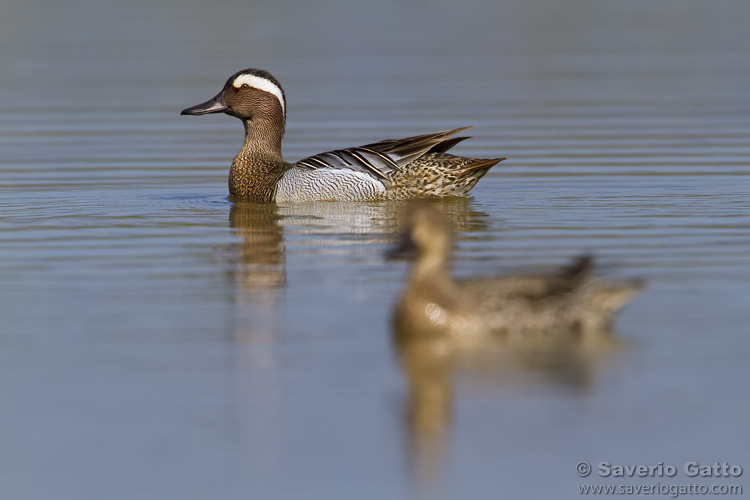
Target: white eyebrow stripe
{"points": [[261, 83]]}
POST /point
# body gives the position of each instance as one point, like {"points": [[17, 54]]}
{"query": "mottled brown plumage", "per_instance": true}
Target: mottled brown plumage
{"points": [[399, 169], [432, 302], [438, 174]]}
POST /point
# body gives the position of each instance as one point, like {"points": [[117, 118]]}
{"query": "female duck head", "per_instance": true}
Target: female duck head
{"points": [[427, 235]]}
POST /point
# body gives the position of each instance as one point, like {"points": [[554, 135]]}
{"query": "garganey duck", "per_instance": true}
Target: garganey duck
{"points": [[407, 168], [570, 301]]}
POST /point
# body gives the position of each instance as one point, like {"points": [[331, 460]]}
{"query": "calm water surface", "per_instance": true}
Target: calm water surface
{"points": [[158, 341]]}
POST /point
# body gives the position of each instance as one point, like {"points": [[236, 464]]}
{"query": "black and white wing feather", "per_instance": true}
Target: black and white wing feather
{"points": [[381, 159]]}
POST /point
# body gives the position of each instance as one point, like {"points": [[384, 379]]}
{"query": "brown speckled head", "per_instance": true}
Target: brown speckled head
{"points": [[248, 95], [254, 93]]}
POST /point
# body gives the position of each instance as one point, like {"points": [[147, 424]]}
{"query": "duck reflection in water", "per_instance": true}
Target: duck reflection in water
{"points": [[261, 262], [257, 269], [497, 330], [257, 257]]}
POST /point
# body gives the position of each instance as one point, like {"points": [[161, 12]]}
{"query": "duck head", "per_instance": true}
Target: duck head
{"points": [[251, 94], [427, 234]]}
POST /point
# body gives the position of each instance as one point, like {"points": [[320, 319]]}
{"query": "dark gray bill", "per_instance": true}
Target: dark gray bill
{"points": [[215, 105], [405, 248]]}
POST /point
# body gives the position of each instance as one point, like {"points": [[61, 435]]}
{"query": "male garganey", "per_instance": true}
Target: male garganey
{"points": [[407, 168]]}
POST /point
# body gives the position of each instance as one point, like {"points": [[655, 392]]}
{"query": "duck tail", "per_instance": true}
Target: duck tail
{"points": [[481, 166], [613, 297], [475, 170], [609, 297]]}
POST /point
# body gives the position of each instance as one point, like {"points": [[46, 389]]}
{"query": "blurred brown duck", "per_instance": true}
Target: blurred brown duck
{"points": [[571, 301]]}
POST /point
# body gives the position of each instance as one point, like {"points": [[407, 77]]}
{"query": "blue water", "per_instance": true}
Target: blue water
{"points": [[158, 341]]}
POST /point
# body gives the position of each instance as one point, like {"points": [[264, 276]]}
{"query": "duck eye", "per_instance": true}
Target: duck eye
{"points": [[244, 86]]}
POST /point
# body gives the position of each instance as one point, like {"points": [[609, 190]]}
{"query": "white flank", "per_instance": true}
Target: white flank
{"points": [[261, 83], [299, 184]]}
